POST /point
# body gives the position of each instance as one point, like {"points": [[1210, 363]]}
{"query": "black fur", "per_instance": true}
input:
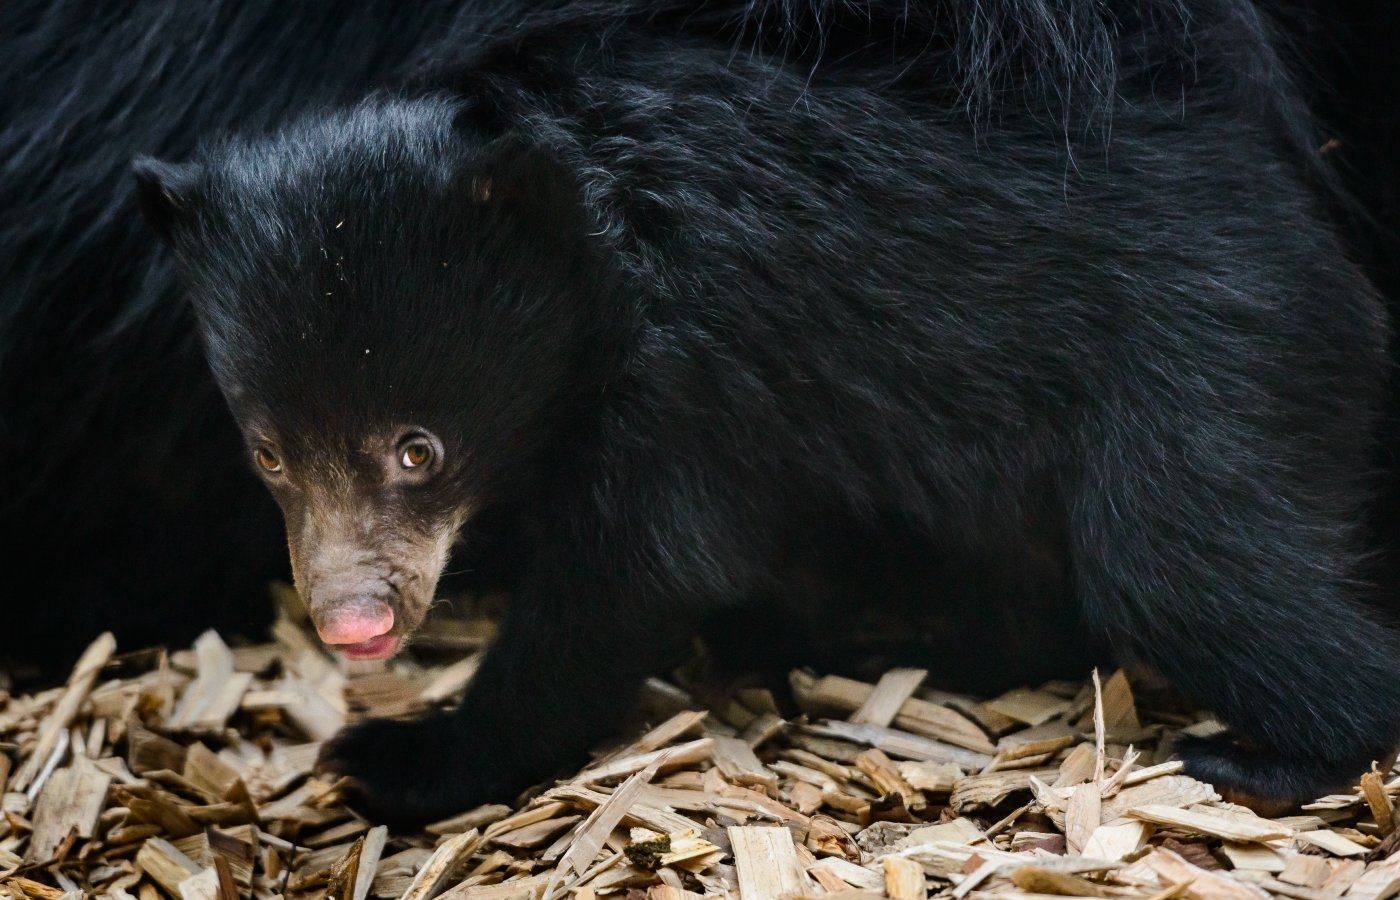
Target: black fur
{"points": [[125, 508], [697, 295]]}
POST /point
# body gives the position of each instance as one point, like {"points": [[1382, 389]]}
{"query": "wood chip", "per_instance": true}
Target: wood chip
{"points": [[478, 818], [1039, 880], [1117, 841], [1226, 824], [931, 720], [901, 744], [453, 851], [1082, 816], [904, 879], [1330, 841], [601, 821], [883, 703], [1014, 752], [736, 759], [451, 680], [215, 694], [1077, 767], [851, 874], [674, 728], [166, 865], [653, 812], [203, 885], [1254, 857], [536, 834], [1379, 882], [1203, 884], [1138, 776], [1305, 871], [1119, 710], [981, 791], [204, 769], [55, 725], [767, 864], [71, 801], [1382, 808], [888, 780], [930, 777], [531, 888], [1168, 790], [683, 754], [958, 831], [1029, 706], [1344, 874], [368, 866]]}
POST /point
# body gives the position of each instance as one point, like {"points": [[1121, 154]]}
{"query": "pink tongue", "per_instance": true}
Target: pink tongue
{"points": [[381, 647]]}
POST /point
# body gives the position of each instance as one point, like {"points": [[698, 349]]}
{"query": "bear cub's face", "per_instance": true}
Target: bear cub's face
{"points": [[392, 313], [368, 533]]}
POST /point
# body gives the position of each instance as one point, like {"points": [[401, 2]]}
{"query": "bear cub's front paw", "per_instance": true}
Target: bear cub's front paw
{"points": [[409, 772]]}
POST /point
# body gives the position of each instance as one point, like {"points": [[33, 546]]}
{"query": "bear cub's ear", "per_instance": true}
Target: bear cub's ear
{"points": [[165, 192]]}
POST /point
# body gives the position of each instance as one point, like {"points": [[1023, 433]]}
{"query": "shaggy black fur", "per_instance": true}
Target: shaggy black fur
{"points": [[125, 508], [1351, 46], [701, 296]]}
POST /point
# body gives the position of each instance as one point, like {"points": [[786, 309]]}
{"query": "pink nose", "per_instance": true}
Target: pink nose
{"points": [[355, 625]]}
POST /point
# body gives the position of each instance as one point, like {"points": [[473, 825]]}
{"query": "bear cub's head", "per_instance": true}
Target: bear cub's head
{"points": [[400, 313]]}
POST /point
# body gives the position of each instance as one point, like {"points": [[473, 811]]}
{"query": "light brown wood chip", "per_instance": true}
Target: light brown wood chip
{"points": [[844, 695], [430, 880], [215, 694], [55, 724], [72, 800], [1173, 869], [883, 703], [904, 879], [1221, 823], [766, 861]]}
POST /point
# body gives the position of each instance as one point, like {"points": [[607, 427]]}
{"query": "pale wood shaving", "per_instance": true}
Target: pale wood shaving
{"points": [[883, 704], [71, 801], [449, 855], [55, 725], [1082, 816], [767, 863], [904, 879], [834, 694], [1333, 843], [217, 691], [1226, 824]]}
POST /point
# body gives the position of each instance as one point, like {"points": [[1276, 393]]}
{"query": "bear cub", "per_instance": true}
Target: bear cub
{"points": [[694, 305]]}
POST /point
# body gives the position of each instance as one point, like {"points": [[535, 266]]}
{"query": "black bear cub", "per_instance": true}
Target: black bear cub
{"points": [[695, 300]]}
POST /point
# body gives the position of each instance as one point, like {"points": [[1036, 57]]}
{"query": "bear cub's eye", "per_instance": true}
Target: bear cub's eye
{"points": [[267, 460], [416, 454]]}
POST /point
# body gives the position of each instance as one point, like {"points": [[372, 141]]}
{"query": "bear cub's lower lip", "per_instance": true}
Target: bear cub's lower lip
{"points": [[381, 647]]}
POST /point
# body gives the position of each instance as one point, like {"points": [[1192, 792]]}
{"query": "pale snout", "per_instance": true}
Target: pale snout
{"points": [[367, 579]]}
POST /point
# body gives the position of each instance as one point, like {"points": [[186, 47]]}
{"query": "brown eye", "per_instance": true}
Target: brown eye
{"points": [[267, 460], [416, 454]]}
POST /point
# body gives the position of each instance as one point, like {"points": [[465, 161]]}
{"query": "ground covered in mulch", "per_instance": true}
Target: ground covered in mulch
{"points": [[189, 775]]}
